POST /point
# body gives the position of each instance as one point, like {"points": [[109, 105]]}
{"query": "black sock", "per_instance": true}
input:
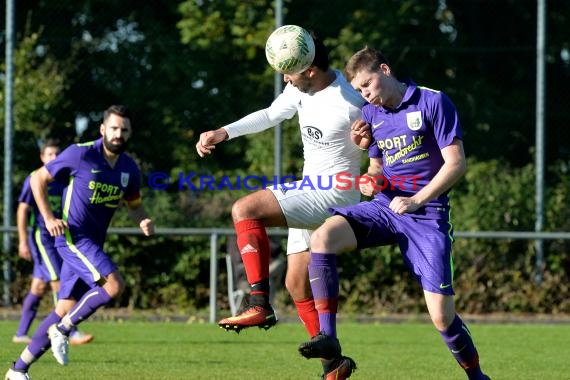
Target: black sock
{"points": [[260, 293]]}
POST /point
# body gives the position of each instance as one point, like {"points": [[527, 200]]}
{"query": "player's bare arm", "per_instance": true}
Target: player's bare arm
{"points": [[138, 214], [208, 140], [39, 184], [360, 134], [22, 215], [374, 172], [453, 168]]}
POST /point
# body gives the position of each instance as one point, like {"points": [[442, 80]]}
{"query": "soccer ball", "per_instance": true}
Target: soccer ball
{"points": [[290, 49]]}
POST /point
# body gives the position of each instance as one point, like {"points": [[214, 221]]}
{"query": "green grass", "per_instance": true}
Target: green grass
{"points": [[174, 351]]}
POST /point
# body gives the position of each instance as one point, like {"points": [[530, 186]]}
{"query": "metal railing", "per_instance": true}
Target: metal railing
{"points": [[215, 233]]}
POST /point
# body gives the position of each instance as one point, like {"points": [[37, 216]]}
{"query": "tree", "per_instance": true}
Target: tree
{"points": [[39, 87]]}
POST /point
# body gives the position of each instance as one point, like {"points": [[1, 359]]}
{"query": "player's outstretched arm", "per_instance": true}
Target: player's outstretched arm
{"points": [[208, 140]]}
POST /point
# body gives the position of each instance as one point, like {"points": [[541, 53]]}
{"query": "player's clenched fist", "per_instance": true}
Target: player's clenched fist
{"points": [[208, 141], [147, 226], [360, 134]]}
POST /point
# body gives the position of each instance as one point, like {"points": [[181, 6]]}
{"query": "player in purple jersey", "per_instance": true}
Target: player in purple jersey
{"points": [[100, 176], [39, 248], [416, 153]]}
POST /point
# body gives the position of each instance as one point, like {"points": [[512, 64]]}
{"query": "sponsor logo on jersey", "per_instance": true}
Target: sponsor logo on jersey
{"points": [[104, 193], [414, 120], [312, 132], [374, 126], [124, 179]]}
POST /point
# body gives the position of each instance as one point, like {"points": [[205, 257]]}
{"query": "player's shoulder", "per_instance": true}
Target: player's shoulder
{"points": [[291, 91], [346, 91], [428, 90], [26, 183], [128, 163], [85, 145], [431, 99], [29, 176], [290, 96], [129, 158], [81, 147], [431, 95]]}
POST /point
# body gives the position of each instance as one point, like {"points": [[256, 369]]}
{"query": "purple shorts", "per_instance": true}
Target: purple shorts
{"points": [[425, 243], [84, 264], [47, 262]]}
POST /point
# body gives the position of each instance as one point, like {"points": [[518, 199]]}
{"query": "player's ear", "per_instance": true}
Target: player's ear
{"points": [[102, 129], [310, 71]]}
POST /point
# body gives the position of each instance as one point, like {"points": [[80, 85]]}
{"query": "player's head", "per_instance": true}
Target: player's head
{"points": [[49, 150], [303, 80], [369, 73], [116, 128], [321, 59], [366, 59]]}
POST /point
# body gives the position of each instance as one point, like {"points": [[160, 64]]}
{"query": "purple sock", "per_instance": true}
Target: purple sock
{"points": [[324, 284], [29, 311], [39, 344], [87, 305], [458, 340]]}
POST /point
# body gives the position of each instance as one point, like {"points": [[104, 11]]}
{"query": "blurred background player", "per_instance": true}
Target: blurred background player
{"points": [[100, 177], [326, 105], [416, 136], [39, 248]]}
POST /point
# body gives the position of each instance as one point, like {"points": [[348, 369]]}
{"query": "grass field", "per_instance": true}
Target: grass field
{"points": [[403, 351]]}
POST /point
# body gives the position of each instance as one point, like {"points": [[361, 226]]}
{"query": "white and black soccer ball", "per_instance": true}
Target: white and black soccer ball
{"points": [[290, 49]]}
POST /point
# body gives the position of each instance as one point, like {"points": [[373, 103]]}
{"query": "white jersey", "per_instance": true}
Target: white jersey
{"points": [[325, 118]]}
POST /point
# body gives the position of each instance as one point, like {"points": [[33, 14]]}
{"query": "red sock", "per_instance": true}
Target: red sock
{"points": [[253, 245], [308, 315]]}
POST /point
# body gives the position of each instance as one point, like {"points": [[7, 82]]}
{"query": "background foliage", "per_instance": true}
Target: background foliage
{"points": [[188, 66]]}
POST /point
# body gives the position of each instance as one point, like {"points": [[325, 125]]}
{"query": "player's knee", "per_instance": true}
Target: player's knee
{"points": [[38, 288], [114, 291], [322, 240], [442, 321], [298, 288], [242, 209], [114, 286]]}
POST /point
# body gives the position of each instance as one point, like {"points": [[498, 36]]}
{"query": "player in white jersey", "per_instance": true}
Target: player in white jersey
{"points": [[327, 105]]}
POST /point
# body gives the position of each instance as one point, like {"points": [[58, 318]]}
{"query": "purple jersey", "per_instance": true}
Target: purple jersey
{"points": [[55, 191], [409, 140], [95, 189]]}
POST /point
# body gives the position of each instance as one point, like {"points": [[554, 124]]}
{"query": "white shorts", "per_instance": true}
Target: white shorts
{"points": [[298, 240], [305, 209]]}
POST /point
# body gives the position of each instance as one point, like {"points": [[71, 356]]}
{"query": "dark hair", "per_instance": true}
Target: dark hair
{"points": [[48, 143], [321, 59], [364, 59], [119, 110]]}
